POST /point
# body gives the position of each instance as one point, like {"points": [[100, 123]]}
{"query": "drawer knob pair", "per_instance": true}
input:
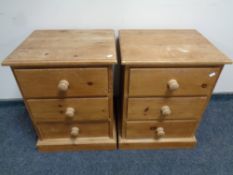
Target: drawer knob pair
{"points": [[74, 131], [172, 84], [160, 131], [70, 112], [63, 85], [166, 110]]}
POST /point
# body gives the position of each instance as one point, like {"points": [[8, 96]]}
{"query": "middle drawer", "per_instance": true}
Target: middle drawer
{"points": [[165, 108], [74, 109]]}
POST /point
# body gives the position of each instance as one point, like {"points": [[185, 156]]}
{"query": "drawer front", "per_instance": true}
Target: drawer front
{"points": [[166, 108], [49, 82], [171, 129], [69, 109], [156, 81], [64, 130]]}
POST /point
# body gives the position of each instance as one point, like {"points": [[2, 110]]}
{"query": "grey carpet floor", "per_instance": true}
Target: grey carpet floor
{"points": [[213, 154]]}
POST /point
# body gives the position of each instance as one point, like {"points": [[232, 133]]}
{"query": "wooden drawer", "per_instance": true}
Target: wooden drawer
{"points": [[81, 82], [166, 108], [63, 130], [69, 109], [154, 81], [148, 129]]}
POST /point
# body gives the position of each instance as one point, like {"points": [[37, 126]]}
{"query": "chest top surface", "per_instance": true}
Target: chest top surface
{"points": [[65, 47], [168, 47]]}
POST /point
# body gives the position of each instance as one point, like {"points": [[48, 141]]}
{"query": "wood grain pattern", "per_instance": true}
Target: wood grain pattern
{"points": [[65, 48], [165, 143], [125, 101], [62, 130], [153, 81], [171, 72], [173, 129], [150, 108], [168, 47], [43, 83], [86, 109], [93, 134], [67, 144], [65, 77], [26, 105], [112, 125]]}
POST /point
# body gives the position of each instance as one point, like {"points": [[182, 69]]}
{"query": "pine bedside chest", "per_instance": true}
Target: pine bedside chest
{"points": [[169, 76], [65, 77]]}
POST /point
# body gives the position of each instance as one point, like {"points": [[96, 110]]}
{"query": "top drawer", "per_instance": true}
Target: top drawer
{"points": [[185, 81], [50, 82]]}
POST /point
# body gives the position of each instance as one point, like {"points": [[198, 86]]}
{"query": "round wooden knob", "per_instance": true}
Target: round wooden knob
{"points": [[160, 131], [74, 131], [165, 110], [63, 85], [70, 112], [173, 84]]}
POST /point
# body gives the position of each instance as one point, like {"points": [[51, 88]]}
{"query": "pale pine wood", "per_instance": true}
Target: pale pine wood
{"points": [[165, 143], [105, 143], [43, 83], [85, 109], [125, 102], [210, 94], [154, 81], [169, 71], [181, 108], [67, 144], [152, 143], [65, 48], [168, 47], [112, 125], [63, 130], [172, 129], [65, 77], [26, 105]]}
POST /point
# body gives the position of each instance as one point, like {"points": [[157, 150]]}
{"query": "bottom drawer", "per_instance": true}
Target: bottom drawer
{"points": [[65, 130], [166, 129]]}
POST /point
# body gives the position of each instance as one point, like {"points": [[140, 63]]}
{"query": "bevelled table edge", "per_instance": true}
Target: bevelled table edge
{"points": [[169, 64], [39, 63]]}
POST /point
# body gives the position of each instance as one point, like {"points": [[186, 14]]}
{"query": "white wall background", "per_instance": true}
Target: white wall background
{"points": [[18, 19]]}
